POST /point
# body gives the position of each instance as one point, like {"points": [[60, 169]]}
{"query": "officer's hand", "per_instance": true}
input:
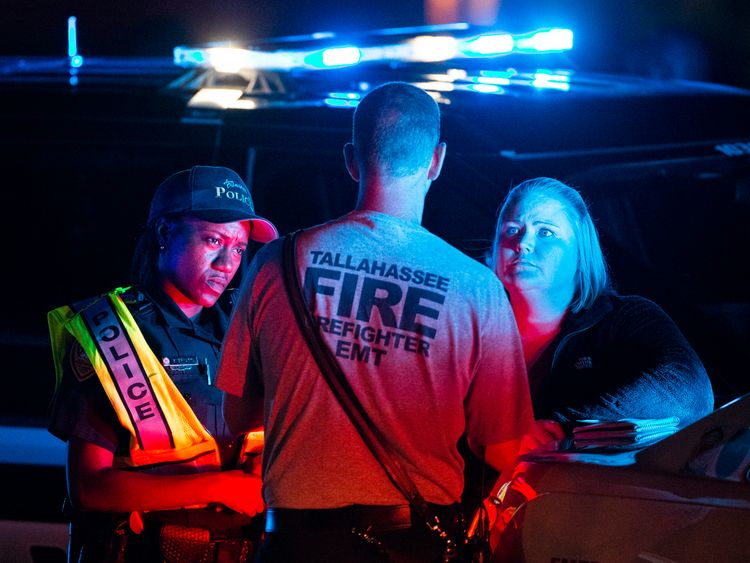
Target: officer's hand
{"points": [[240, 491]]}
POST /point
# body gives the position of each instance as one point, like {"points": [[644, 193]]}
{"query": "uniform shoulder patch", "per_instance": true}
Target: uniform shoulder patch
{"points": [[80, 363], [137, 301], [132, 296]]}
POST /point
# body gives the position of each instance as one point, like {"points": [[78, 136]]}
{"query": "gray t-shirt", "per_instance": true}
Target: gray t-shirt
{"points": [[425, 336]]}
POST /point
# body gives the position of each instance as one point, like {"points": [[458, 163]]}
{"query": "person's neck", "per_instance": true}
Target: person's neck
{"points": [[188, 307], [398, 197], [539, 316]]}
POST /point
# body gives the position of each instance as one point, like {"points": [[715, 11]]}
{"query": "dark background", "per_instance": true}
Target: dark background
{"points": [[683, 39], [61, 184], [694, 39]]}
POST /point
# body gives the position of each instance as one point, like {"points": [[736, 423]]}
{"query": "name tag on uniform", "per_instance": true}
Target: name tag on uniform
{"points": [[178, 364]]}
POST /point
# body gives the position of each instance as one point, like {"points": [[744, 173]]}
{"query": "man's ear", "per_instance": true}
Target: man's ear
{"points": [[437, 162], [350, 162]]}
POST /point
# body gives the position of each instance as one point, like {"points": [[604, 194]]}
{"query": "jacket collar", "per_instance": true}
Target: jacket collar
{"points": [[586, 318]]}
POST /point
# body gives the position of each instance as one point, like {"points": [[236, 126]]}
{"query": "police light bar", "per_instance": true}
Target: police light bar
{"points": [[431, 46]]}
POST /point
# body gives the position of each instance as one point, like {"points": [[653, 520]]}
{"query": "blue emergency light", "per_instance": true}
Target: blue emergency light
{"points": [[489, 45], [74, 58], [334, 57], [419, 45]]}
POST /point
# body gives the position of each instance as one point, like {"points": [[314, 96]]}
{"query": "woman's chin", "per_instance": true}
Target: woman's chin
{"points": [[523, 281]]}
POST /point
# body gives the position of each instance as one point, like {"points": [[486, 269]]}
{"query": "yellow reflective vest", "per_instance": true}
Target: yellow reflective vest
{"points": [[163, 428]]}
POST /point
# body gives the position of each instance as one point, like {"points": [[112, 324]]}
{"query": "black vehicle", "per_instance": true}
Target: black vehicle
{"points": [[665, 166]]}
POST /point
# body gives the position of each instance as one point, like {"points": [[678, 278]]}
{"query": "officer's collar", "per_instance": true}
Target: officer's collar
{"points": [[209, 322]]}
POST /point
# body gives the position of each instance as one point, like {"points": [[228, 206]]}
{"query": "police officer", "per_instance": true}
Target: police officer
{"points": [[152, 468]]}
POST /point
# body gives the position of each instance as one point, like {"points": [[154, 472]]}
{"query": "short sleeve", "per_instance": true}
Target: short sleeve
{"points": [[498, 405], [80, 408]]}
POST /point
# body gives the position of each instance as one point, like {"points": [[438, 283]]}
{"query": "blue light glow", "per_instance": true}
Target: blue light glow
{"points": [[344, 95], [485, 88], [551, 81], [21, 445], [487, 45], [76, 61], [187, 56], [444, 46], [422, 29], [497, 80], [72, 37], [546, 40], [339, 103], [333, 57], [509, 73], [341, 56]]}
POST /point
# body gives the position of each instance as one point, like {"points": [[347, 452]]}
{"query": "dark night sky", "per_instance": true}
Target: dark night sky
{"points": [[143, 27], [701, 39], [691, 39]]}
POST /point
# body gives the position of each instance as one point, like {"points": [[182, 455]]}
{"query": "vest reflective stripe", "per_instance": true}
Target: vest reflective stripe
{"points": [[128, 376], [165, 431]]}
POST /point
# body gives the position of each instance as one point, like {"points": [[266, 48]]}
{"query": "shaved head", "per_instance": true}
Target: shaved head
{"points": [[396, 129]]}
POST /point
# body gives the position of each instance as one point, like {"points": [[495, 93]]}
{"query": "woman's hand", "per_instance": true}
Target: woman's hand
{"points": [[542, 433]]}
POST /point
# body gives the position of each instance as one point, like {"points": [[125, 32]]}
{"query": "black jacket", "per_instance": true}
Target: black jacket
{"points": [[621, 358]]}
